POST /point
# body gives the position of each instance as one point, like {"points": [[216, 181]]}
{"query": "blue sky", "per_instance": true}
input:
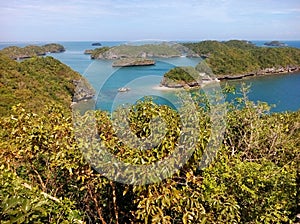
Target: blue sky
{"points": [[54, 20]]}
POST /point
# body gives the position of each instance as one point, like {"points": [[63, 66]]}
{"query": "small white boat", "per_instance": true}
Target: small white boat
{"points": [[124, 89]]}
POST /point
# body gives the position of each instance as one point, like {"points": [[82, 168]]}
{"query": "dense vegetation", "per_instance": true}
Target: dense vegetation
{"points": [[34, 83], [45, 179], [240, 57], [31, 50]]}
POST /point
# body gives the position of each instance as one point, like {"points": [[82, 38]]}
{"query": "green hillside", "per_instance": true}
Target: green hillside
{"points": [[35, 82]]}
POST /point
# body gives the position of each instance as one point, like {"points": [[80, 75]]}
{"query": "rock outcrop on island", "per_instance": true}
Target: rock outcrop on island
{"points": [[88, 51], [96, 52], [127, 62], [30, 51], [83, 90]]}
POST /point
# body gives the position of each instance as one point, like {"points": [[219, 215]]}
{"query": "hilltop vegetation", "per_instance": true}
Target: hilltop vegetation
{"points": [[31, 51], [241, 57]]}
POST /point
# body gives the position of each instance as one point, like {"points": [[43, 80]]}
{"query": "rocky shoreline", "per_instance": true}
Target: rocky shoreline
{"points": [[128, 62], [83, 91], [166, 82], [263, 72]]}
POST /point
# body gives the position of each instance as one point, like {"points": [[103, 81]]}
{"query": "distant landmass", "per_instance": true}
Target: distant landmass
{"points": [[96, 44], [275, 43], [163, 50], [30, 51]]}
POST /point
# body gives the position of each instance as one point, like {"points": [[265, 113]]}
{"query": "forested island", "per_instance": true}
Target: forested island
{"points": [[235, 59], [242, 58], [45, 178], [31, 51]]}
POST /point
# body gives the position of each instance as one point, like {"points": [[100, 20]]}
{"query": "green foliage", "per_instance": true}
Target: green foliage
{"points": [[241, 57], [253, 179], [22, 203], [41, 154]]}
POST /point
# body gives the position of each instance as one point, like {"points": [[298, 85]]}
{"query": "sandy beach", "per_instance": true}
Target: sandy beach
{"points": [[164, 88], [204, 83]]}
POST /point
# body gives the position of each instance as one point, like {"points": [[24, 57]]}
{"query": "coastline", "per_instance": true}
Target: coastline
{"points": [[165, 88], [263, 72], [228, 78]]}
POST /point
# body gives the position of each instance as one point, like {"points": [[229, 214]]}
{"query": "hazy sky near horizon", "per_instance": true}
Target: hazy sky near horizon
{"points": [[54, 20]]}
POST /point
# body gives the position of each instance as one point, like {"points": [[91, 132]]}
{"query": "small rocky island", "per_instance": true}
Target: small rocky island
{"points": [[275, 43], [182, 77], [83, 90], [96, 44], [127, 62], [30, 51]]}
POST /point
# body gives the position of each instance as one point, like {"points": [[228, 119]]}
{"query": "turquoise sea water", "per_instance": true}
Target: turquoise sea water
{"points": [[281, 90]]}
